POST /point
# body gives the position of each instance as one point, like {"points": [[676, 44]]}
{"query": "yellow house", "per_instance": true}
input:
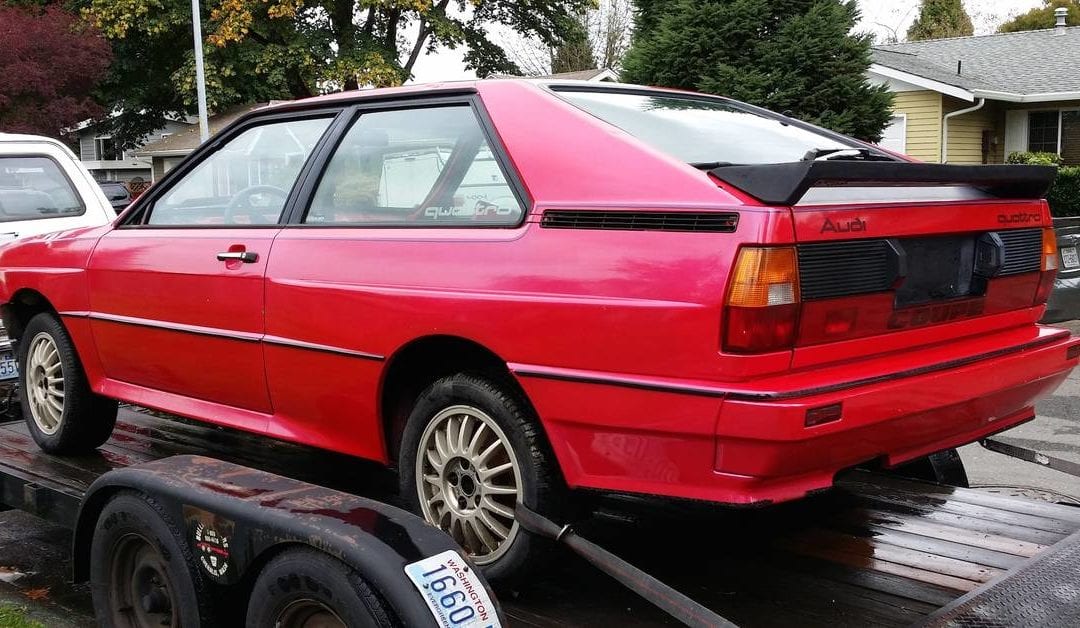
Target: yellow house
{"points": [[976, 100]]}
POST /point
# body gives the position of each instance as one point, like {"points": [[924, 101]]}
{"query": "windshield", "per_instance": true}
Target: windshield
{"points": [[700, 131], [35, 187]]}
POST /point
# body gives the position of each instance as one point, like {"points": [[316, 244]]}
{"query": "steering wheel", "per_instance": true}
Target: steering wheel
{"points": [[242, 201]]}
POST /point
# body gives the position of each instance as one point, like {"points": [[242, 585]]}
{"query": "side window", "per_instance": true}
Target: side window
{"points": [[34, 187], [415, 167], [246, 181]]}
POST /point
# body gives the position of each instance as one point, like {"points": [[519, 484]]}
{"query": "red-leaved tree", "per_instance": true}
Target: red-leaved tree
{"points": [[50, 62]]}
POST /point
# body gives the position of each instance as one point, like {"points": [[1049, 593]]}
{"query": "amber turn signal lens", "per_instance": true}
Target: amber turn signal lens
{"points": [[1049, 267], [765, 277], [1049, 250]]}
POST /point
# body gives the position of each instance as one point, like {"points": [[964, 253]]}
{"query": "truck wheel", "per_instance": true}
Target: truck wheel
{"points": [[471, 450], [63, 414], [142, 574], [302, 587]]}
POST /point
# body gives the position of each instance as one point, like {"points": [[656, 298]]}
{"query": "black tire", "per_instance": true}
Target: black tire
{"points": [[301, 582], [543, 489], [132, 522], [87, 419]]}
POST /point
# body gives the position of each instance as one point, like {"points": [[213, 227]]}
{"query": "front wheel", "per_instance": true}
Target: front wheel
{"points": [[472, 449], [64, 416]]}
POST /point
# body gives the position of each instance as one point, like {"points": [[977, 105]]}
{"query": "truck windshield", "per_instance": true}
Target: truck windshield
{"points": [[700, 131]]}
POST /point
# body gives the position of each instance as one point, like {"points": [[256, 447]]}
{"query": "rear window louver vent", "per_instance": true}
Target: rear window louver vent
{"points": [[1023, 251], [713, 222], [838, 269]]}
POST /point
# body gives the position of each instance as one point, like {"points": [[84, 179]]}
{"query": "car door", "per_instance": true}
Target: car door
{"points": [[404, 184], [176, 292]]}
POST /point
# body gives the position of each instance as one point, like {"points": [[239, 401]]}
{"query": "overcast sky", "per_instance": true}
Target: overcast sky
{"points": [[881, 17]]}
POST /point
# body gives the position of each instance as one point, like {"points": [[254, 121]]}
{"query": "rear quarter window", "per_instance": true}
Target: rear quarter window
{"points": [[703, 130], [35, 188]]}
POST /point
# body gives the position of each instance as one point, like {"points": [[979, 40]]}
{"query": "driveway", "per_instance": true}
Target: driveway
{"points": [[1055, 432]]}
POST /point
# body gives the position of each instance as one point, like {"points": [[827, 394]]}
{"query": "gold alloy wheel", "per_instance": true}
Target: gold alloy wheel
{"points": [[45, 383], [469, 480]]}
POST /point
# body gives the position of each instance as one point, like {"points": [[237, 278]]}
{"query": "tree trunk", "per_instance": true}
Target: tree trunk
{"points": [[341, 15]]}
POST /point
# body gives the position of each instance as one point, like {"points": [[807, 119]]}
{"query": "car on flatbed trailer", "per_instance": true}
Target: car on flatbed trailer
{"points": [[508, 289]]}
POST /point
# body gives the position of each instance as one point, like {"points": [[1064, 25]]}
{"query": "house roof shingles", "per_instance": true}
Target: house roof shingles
{"points": [[188, 140], [1030, 62]]}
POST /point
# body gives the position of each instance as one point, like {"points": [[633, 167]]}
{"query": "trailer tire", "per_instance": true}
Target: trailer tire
{"points": [[495, 402], [83, 420], [302, 586], [142, 573]]}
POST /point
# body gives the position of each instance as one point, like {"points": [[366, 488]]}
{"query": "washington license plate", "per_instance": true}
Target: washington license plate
{"points": [[454, 594], [1069, 258], [8, 369]]}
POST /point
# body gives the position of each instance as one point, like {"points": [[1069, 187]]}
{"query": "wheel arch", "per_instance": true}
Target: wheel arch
{"points": [[24, 304], [419, 363]]}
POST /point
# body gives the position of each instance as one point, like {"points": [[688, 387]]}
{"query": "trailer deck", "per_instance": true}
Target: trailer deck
{"points": [[877, 551]]}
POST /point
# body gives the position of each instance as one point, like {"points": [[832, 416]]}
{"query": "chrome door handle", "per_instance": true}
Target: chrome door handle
{"points": [[247, 257]]}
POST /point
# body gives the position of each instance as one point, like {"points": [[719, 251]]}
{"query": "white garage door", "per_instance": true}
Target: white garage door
{"points": [[895, 137]]}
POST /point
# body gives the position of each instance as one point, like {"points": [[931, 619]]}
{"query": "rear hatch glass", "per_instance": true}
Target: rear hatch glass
{"points": [[705, 130]]}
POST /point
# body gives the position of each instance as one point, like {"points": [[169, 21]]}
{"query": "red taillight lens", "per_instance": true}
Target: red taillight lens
{"points": [[762, 310], [1049, 267]]}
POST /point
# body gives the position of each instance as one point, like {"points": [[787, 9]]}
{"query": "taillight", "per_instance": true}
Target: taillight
{"points": [[763, 301], [1049, 266]]}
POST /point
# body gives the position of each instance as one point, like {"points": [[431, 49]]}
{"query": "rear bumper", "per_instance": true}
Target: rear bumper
{"points": [[747, 446]]}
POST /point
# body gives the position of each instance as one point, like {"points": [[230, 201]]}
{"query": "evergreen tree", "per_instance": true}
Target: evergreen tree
{"points": [[939, 19], [796, 56], [1043, 17], [575, 51]]}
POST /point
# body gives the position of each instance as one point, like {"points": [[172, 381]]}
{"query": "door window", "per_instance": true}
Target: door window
{"points": [[34, 187], [415, 167], [246, 182]]}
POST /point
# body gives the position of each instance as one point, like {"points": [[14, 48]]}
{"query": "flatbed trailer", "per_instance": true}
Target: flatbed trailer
{"points": [[876, 551]]}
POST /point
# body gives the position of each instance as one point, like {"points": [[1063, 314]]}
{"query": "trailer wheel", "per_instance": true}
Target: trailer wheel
{"points": [[472, 449], [63, 414], [304, 588], [142, 575]]}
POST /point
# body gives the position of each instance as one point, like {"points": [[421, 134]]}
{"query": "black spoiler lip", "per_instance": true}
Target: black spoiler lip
{"points": [[786, 183]]}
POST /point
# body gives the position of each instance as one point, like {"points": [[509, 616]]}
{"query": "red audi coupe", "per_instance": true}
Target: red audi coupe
{"points": [[510, 290]]}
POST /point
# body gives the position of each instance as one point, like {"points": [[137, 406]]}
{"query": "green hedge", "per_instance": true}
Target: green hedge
{"points": [[1064, 196]]}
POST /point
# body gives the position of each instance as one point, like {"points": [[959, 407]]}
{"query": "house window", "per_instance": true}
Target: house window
{"points": [[1043, 131], [106, 149], [1070, 137]]}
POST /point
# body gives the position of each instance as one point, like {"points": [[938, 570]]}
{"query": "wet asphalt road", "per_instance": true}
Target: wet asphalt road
{"points": [[34, 564]]}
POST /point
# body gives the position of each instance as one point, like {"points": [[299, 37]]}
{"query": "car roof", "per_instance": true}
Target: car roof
{"points": [[23, 138], [475, 85]]}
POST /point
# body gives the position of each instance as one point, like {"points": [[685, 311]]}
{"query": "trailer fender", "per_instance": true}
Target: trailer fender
{"points": [[235, 517]]}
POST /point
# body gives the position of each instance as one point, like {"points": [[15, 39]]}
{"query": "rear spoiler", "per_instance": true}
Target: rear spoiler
{"points": [[786, 183]]}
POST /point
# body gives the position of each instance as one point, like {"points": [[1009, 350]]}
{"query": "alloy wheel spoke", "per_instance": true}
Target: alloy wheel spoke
{"points": [[494, 506], [499, 529], [493, 489], [488, 473]]}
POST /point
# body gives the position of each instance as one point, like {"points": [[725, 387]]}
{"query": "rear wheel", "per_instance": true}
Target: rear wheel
{"points": [[63, 414], [303, 588], [470, 452]]}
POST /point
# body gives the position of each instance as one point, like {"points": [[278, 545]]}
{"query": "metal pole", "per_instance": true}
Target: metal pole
{"points": [[200, 75]]}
